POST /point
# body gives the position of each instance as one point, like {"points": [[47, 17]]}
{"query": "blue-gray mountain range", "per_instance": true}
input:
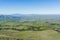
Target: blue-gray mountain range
{"points": [[30, 17]]}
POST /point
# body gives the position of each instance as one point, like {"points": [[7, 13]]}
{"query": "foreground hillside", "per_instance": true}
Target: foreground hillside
{"points": [[29, 30], [29, 35]]}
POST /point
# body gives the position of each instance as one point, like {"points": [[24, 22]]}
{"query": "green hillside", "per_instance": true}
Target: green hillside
{"points": [[29, 30]]}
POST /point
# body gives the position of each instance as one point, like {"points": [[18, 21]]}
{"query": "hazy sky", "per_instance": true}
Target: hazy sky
{"points": [[30, 6]]}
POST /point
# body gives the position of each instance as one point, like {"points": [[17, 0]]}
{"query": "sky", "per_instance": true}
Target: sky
{"points": [[29, 6]]}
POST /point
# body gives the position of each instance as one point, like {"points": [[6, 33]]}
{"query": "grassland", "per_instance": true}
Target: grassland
{"points": [[29, 35], [29, 30]]}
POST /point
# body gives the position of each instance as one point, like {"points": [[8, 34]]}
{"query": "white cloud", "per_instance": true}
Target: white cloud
{"points": [[31, 12]]}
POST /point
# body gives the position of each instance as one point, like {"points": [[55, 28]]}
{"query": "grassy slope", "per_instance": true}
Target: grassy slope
{"points": [[29, 35]]}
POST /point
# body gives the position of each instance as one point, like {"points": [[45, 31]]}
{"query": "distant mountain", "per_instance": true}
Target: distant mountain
{"points": [[32, 17]]}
